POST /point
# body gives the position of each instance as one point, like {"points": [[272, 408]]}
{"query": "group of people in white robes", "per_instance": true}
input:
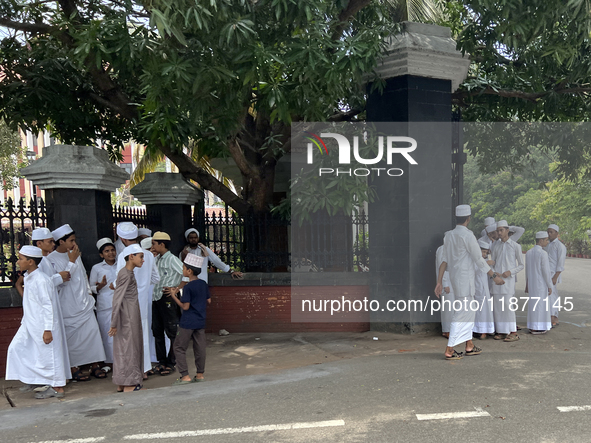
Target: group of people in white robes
{"points": [[465, 273]]}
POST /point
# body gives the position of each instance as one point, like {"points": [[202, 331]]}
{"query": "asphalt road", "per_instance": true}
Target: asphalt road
{"points": [[511, 392]]}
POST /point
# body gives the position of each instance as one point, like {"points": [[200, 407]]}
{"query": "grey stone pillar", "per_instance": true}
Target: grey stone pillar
{"points": [[422, 68], [168, 198], [78, 181]]}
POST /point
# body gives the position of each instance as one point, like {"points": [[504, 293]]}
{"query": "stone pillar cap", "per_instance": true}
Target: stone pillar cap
{"points": [[164, 188], [75, 167], [423, 50]]}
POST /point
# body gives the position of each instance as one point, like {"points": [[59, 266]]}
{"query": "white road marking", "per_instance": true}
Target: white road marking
{"points": [[479, 412], [75, 440], [574, 408], [281, 427]]}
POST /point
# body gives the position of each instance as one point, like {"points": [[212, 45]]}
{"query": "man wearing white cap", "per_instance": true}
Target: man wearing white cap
{"points": [[556, 257], [77, 303], [102, 276], [146, 276], [460, 253], [143, 233], [128, 234], [483, 320], [37, 352], [538, 284], [200, 250], [447, 296], [508, 262]]}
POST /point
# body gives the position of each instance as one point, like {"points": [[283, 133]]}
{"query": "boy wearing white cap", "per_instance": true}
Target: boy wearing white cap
{"points": [[556, 257], [460, 253], [538, 284], [37, 353], [193, 304], [199, 249], [508, 262], [128, 234], [102, 276], [77, 304]]}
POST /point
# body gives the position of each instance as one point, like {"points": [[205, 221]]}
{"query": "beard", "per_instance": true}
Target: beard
{"points": [[194, 244]]}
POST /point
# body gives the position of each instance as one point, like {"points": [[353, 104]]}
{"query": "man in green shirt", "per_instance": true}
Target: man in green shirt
{"points": [[165, 313]]}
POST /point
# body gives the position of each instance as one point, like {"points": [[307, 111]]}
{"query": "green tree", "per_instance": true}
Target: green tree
{"points": [[12, 156]]}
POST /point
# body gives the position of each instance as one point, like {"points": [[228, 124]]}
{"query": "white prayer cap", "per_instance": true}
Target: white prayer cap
{"points": [[463, 210], [31, 251], [146, 243], [194, 260], [41, 234], [489, 221], [104, 241], [502, 224], [61, 232], [127, 230], [555, 227], [144, 231], [132, 249], [491, 228], [484, 244], [541, 234], [188, 231]]}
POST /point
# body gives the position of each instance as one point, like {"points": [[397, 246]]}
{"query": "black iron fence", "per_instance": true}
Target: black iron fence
{"points": [[138, 215], [17, 223]]}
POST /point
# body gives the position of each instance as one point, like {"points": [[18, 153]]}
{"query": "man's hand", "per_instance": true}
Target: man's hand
{"points": [[506, 274], [100, 285], [112, 332], [65, 275], [74, 254], [111, 287], [447, 290], [554, 280], [20, 284], [438, 289], [237, 275], [498, 280], [47, 337], [203, 249], [169, 292], [549, 291]]}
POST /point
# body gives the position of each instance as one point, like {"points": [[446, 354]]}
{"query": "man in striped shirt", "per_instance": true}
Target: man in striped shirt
{"points": [[165, 313]]}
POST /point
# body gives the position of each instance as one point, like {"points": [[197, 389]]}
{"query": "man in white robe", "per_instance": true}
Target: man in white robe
{"points": [[507, 256], [538, 285], [37, 353], [447, 296], [145, 276], [77, 304], [556, 256], [460, 253], [483, 320], [102, 277]]}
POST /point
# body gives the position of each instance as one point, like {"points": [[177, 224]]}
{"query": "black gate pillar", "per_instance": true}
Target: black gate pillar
{"points": [[78, 181], [168, 198], [406, 224]]}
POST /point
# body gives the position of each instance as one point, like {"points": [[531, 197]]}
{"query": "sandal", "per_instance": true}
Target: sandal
{"points": [[151, 372], [160, 369], [77, 376], [138, 387], [511, 337], [98, 373], [499, 337], [455, 356], [183, 382], [475, 351]]}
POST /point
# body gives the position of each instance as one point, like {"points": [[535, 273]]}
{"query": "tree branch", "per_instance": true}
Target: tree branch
{"points": [[353, 7], [241, 161], [530, 96], [40, 28]]}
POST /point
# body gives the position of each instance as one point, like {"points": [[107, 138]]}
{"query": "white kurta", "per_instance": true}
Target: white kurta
{"points": [[539, 280], [119, 246], [48, 269], [29, 359], [211, 258], [104, 302], [556, 258], [507, 257], [77, 304], [446, 299], [483, 320], [461, 252], [146, 277]]}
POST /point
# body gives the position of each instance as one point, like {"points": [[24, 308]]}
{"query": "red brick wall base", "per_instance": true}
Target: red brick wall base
{"points": [[10, 321]]}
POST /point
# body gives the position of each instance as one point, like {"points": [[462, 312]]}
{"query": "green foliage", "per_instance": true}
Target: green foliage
{"points": [[12, 156]]}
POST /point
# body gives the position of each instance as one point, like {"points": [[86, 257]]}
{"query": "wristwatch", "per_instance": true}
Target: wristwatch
{"points": [[495, 275]]}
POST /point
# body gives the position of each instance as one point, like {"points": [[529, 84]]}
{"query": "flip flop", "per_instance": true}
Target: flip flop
{"points": [[48, 393], [475, 351], [197, 380], [455, 356], [511, 337], [183, 382]]}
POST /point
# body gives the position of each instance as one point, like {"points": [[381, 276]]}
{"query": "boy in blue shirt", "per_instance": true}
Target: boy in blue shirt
{"points": [[193, 304]]}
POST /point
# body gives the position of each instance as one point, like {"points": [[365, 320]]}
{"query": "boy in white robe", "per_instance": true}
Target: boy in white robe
{"points": [[77, 304], [556, 257], [102, 276], [483, 320], [508, 262], [36, 353], [538, 284]]}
